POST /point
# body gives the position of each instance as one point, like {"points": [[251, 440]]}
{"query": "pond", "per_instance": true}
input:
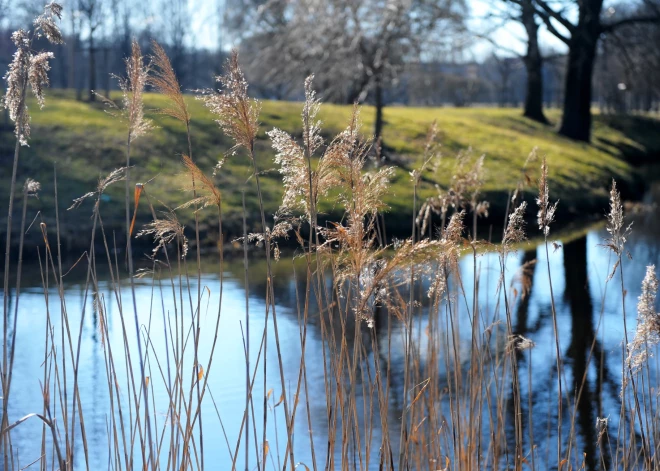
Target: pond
{"points": [[589, 319]]}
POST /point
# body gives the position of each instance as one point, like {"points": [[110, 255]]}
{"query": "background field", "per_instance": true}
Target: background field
{"points": [[86, 142]]}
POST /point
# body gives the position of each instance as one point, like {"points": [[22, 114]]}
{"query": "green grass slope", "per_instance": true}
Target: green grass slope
{"points": [[85, 142]]}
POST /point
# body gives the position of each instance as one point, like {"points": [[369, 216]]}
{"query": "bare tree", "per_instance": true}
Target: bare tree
{"points": [[93, 14], [176, 28], [506, 68], [523, 12], [356, 49], [72, 50], [582, 39], [533, 62], [629, 64]]}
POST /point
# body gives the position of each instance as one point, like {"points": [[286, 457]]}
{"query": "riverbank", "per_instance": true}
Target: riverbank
{"points": [[84, 143]]}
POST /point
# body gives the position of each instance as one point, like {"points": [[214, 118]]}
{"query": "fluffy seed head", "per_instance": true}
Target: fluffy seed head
{"points": [[208, 193], [647, 335], [132, 87], [618, 234], [165, 231], [518, 342], [45, 23], [113, 177], [16, 78], [547, 211], [237, 114], [38, 75], [29, 68], [295, 161], [31, 187], [515, 230], [164, 80], [311, 126]]}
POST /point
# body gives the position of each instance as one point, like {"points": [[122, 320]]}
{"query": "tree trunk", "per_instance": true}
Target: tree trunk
{"points": [[378, 126], [356, 91], [576, 120], [582, 340], [71, 81], [534, 94], [534, 66], [106, 68], [92, 68], [77, 76]]}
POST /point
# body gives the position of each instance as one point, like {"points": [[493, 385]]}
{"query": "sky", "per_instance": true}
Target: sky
{"points": [[511, 35], [205, 18]]}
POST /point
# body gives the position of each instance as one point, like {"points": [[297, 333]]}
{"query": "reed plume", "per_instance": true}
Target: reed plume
{"points": [[545, 216], [547, 211], [165, 230], [525, 177], [132, 87], [236, 113], [27, 68], [360, 194], [115, 176], [164, 80], [615, 223], [45, 23], [207, 193], [302, 185], [647, 335], [515, 229], [30, 68], [31, 188]]}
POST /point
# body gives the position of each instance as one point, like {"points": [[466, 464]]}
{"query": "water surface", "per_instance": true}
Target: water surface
{"points": [[589, 314]]}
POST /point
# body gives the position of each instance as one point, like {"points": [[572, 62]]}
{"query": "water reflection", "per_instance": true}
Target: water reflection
{"points": [[590, 331]]}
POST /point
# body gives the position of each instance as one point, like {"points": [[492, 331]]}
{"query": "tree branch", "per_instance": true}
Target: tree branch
{"points": [[547, 11], [548, 24], [490, 40], [608, 28]]}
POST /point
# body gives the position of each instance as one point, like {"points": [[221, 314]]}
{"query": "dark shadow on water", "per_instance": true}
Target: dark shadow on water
{"points": [[579, 353]]}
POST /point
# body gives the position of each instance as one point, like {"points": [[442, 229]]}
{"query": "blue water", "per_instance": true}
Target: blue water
{"points": [[588, 309]]}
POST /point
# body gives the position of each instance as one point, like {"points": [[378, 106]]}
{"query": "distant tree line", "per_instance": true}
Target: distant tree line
{"points": [[382, 52], [98, 35]]}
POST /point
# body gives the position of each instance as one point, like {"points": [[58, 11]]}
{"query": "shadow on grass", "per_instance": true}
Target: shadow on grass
{"points": [[643, 131]]}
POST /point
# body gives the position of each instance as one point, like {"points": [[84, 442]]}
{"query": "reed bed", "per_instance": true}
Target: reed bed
{"points": [[460, 409]]}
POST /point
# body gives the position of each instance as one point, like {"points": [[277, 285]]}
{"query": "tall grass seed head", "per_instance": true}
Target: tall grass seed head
{"points": [[31, 188], [164, 80], [45, 23], [647, 334], [16, 78], [237, 114], [615, 222], [515, 229], [133, 90], [546, 214]]}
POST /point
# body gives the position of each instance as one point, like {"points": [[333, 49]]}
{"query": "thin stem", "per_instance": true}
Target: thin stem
{"points": [[558, 353], [129, 254]]}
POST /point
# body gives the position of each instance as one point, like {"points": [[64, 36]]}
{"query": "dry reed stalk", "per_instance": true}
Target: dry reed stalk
{"points": [[28, 68], [370, 280], [133, 88], [545, 217], [237, 117], [616, 243]]}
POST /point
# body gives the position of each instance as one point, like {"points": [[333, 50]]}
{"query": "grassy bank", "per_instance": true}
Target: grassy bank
{"points": [[86, 142], [413, 354]]}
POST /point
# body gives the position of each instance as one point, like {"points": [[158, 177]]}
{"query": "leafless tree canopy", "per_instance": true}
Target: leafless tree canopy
{"points": [[351, 47], [383, 52]]}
